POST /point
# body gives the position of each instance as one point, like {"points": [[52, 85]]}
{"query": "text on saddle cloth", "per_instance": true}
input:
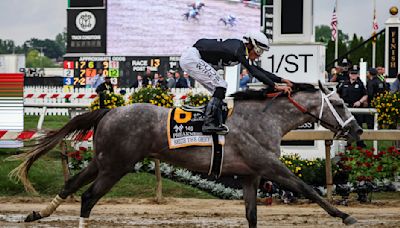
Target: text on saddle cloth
{"points": [[184, 129]]}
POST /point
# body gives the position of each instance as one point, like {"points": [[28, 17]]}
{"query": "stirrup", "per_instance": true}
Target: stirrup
{"points": [[220, 132], [223, 132]]}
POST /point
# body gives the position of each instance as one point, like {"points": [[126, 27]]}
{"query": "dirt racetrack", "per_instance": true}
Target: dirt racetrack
{"points": [[195, 213]]}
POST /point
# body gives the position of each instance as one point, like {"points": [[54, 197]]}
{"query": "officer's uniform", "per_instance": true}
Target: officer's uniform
{"points": [[342, 78], [375, 86], [351, 93]]}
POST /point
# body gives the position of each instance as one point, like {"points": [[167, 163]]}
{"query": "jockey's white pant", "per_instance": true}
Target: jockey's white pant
{"points": [[200, 70]]}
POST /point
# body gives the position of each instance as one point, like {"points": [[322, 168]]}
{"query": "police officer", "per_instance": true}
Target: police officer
{"points": [[342, 74], [199, 60], [375, 86], [103, 89], [354, 94]]}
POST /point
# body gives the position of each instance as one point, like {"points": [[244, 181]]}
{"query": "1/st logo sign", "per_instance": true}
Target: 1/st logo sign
{"points": [[290, 63], [297, 62]]}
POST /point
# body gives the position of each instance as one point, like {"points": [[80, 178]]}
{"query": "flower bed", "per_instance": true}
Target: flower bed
{"points": [[156, 96], [112, 100], [195, 100], [388, 107], [363, 165]]}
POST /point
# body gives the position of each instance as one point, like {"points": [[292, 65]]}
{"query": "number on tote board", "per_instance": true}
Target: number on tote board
{"points": [[79, 81]]}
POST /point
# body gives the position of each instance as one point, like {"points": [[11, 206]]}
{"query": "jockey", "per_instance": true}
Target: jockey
{"points": [[198, 61], [231, 18]]}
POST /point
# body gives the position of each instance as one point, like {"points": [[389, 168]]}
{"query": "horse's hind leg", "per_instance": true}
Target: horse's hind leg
{"points": [[250, 186], [103, 183], [84, 177], [279, 173]]}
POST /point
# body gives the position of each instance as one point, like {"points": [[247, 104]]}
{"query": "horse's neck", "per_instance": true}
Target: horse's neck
{"points": [[281, 115]]}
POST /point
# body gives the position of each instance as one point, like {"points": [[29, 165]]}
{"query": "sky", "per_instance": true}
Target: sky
{"points": [[21, 20]]}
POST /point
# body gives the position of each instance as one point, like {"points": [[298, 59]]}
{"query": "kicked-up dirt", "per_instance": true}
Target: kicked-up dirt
{"points": [[174, 212]]}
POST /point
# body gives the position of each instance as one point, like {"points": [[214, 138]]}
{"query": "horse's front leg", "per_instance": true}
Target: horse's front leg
{"points": [[250, 186], [280, 174]]}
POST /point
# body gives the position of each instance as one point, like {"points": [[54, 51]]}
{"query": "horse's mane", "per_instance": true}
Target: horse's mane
{"points": [[262, 94]]}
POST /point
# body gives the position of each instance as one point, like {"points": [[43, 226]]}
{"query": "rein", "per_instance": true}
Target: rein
{"points": [[325, 98], [304, 110]]}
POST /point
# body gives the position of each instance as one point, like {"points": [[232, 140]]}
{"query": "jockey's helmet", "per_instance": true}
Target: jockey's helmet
{"points": [[259, 41]]}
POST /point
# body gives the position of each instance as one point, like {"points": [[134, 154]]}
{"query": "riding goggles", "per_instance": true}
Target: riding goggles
{"points": [[259, 48]]}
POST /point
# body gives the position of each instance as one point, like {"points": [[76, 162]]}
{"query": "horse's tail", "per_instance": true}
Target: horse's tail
{"points": [[79, 125]]}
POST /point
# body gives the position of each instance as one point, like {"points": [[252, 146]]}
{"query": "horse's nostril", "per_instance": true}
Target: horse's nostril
{"points": [[360, 131]]}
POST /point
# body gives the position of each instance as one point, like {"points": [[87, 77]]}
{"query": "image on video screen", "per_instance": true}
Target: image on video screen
{"points": [[166, 28]]}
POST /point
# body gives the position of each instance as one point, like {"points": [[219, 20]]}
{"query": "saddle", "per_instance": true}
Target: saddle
{"points": [[227, 108]]}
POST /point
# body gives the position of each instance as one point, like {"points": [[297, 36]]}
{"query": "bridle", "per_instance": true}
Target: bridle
{"points": [[342, 130]]}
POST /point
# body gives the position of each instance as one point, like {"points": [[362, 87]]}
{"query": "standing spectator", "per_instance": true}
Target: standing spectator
{"points": [[170, 79], [161, 82], [244, 79], [140, 82], [103, 89], [180, 82], [374, 87], [354, 95], [189, 80], [342, 73], [381, 75], [395, 87], [333, 74], [98, 79], [148, 76], [154, 82]]}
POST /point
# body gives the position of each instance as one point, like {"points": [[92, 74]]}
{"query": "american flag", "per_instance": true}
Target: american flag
{"points": [[375, 26], [334, 22], [375, 23]]}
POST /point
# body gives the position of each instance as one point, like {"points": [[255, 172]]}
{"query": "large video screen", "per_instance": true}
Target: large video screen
{"points": [[166, 28]]}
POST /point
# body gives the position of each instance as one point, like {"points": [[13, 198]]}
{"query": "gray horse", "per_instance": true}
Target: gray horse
{"points": [[127, 135]]}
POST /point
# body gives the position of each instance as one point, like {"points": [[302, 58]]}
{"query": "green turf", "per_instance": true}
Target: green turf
{"points": [[47, 178], [50, 122]]}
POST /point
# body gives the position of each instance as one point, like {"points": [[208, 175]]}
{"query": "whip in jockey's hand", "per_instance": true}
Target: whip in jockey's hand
{"points": [[199, 60]]}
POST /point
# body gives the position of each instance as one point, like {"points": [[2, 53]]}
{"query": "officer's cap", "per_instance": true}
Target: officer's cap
{"points": [[373, 71], [354, 70]]}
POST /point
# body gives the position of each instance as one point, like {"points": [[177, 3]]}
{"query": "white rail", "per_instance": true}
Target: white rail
{"points": [[78, 96]]}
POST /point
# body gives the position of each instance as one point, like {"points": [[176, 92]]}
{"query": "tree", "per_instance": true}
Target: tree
{"points": [[35, 60], [323, 33], [50, 48], [7, 46], [61, 40], [359, 53], [380, 50]]}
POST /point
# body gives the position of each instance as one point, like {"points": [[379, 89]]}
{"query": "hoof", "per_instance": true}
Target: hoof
{"points": [[349, 220], [33, 217]]}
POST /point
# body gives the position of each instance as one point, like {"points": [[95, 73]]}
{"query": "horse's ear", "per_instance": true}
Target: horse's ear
{"points": [[323, 88]]}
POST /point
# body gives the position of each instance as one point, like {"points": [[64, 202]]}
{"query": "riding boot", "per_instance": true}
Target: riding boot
{"points": [[213, 116]]}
